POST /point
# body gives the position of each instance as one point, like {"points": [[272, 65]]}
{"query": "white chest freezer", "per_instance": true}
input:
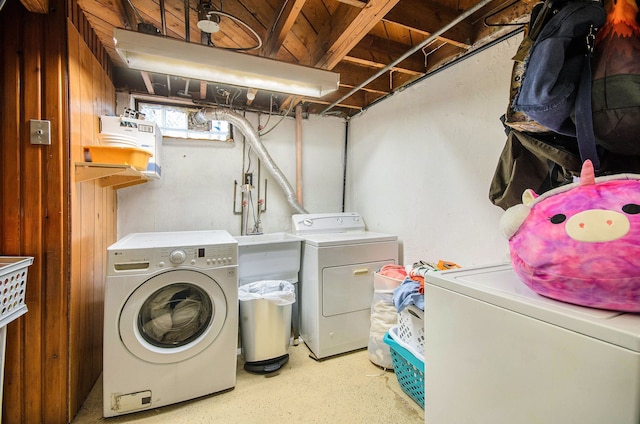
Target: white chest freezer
{"points": [[498, 353]]}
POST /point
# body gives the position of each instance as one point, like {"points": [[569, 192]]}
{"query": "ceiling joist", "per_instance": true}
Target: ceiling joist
{"points": [[356, 38]]}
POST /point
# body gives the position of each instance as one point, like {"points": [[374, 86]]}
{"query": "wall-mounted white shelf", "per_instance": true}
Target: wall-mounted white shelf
{"points": [[109, 175]]}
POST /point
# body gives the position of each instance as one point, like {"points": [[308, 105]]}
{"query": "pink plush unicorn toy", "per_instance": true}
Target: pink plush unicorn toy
{"points": [[580, 243]]}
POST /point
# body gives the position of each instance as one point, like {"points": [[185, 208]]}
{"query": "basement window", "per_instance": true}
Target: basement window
{"points": [[176, 122]]}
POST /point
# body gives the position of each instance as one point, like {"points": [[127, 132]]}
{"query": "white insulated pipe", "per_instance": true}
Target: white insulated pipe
{"points": [[250, 133]]}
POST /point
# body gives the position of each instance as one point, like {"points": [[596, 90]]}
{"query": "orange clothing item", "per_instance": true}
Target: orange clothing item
{"points": [[419, 279]]}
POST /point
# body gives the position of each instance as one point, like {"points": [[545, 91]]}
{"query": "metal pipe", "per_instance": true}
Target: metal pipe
{"points": [[163, 19], [445, 67], [245, 127], [299, 152], [428, 40], [344, 163], [186, 21]]}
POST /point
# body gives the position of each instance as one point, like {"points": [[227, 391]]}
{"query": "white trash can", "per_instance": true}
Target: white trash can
{"points": [[265, 324]]}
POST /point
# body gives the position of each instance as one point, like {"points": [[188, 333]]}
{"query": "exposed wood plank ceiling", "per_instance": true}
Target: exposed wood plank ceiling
{"points": [[358, 39]]}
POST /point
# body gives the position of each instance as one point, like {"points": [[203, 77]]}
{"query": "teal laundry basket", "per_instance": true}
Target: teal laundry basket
{"points": [[408, 367]]}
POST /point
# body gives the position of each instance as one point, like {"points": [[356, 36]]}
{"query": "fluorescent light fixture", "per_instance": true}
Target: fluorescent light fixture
{"points": [[153, 53]]}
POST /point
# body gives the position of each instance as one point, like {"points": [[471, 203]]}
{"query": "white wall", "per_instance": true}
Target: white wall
{"points": [[420, 163], [196, 188], [419, 166]]}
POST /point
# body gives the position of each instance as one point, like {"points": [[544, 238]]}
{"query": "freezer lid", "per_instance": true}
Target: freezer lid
{"points": [[499, 285]]}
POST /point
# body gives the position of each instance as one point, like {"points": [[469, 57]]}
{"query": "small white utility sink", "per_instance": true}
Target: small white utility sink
{"points": [[273, 256]]}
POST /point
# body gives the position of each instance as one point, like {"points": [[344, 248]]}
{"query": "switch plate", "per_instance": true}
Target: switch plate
{"points": [[40, 132]]}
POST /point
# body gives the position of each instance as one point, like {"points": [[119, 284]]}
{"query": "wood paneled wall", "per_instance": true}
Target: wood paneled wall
{"points": [[49, 71], [93, 224]]}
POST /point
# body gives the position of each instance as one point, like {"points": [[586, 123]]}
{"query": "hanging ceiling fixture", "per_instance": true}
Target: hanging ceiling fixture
{"points": [[152, 53], [208, 21]]}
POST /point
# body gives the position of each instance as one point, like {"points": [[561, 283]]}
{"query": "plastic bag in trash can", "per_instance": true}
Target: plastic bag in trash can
{"points": [[277, 291]]}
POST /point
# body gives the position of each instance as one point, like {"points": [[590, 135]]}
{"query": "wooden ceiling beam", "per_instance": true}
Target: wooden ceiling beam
{"points": [[355, 106], [104, 13], [428, 18], [347, 26], [440, 56], [380, 52], [146, 78], [373, 64], [36, 6], [234, 35], [281, 26], [356, 3], [203, 90], [352, 74], [126, 14], [356, 101]]}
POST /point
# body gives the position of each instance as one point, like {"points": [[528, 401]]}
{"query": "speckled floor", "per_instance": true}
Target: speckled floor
{"points": [[343, 389]]}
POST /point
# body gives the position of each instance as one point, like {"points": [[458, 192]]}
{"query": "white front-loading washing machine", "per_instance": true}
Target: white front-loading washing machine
{"points": [[339, 259], [171, 319]]}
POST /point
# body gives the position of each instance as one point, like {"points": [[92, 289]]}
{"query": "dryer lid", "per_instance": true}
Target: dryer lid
{"points": [[342, 239], [335, 229], [500, 286]]}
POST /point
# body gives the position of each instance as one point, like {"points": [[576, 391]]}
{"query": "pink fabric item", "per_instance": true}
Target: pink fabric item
{"points": [[394, 271], [582, 245]]}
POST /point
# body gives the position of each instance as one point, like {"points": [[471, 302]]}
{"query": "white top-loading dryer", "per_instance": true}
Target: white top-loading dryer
{"points": [[339, 258]]}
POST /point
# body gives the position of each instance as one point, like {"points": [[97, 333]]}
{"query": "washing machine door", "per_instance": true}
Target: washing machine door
{"points": [[173, 316]]}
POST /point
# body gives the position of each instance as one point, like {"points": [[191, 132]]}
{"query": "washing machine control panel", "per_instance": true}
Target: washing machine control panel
{"points": [[318, 223], [177, 256], [204, 257], [199, 256]]}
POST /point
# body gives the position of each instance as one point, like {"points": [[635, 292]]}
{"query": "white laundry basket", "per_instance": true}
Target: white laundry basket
{"points": [[13, 287], [411, 328]]}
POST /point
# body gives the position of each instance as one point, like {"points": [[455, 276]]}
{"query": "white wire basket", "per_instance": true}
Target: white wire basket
{"points": [[411, 328], [13, 287]]}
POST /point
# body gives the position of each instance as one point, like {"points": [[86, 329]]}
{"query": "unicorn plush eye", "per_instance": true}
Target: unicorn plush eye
{"points": [[631, 209], [558, 218]]}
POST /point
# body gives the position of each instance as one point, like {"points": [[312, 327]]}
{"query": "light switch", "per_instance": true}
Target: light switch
{"points": [[40, 132]]}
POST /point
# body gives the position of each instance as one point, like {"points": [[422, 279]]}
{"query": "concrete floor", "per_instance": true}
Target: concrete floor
{"points": [[342, 389]]}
